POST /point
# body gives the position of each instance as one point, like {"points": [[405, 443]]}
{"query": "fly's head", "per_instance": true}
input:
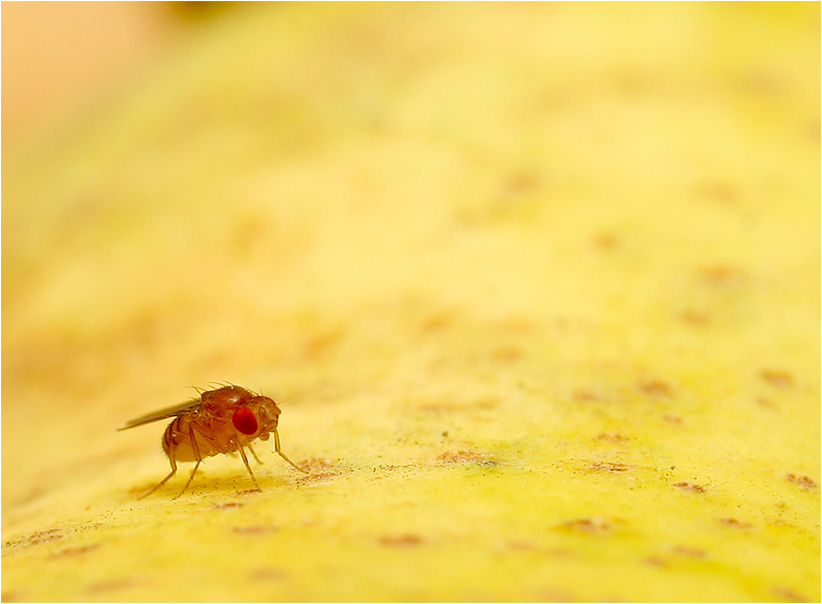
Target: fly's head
{"points": [[256, 417]]}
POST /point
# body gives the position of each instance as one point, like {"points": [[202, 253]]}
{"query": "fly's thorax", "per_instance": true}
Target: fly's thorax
{"points": [[223, 401]]}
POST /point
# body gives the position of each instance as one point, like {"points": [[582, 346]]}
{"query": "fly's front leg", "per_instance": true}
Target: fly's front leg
{"points": [[248, 467], [283, 455]]}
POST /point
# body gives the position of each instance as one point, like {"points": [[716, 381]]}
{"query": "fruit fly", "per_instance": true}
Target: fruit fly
{"points": [[223, 420]]}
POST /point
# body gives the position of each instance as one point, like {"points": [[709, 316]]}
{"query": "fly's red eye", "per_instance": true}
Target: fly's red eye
{"points": [[244, 420]]}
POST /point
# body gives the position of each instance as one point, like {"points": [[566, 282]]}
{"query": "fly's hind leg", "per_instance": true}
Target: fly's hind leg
{"points": [[248, 467], [196, 454], [169, 446], [163, 481], [190, 478], [279, 451]]}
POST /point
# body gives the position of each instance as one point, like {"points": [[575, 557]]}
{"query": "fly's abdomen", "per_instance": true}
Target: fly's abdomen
{"points": [[177, 441]]}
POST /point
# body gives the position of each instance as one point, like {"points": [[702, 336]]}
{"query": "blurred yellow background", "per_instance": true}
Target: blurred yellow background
{"points": [[61, 58], [535, 285]]}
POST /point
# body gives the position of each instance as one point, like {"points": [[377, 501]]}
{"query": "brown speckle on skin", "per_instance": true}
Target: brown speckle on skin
{"points": [[437, 322], [269, 573], [632, 82], [718, 276], [36, 538], [486, 403], [70, 552], [522, 546], [689, 552], [613, 438], [550, 593], [720, 191], [483, 404], [609, 466], [588, 526], [806, 482], [319, 344], [789, 595], [734, 523], [319, 469], [315, 465], [813, 129], [506, 354], [605, 241], [762, 82], [766, 403], [521, 182], [228, 505], [112, 585], [656, 561], [247, 233], [461, 457], [688, 486], [321, 476], [44, 536], [695, 318], [672, 419], [656, 388], [256, 529], [406, 540], [584, 396], [777, 378], [247, 492]]}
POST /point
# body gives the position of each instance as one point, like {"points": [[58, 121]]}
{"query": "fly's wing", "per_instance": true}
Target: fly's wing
{"points": [[174, 411]]}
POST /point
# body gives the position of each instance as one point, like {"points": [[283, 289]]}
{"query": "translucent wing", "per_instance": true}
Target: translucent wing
{"points": [[156, 416]]}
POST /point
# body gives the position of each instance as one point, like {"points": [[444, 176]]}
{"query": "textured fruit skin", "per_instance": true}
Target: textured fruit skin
{"points": [[537, 286]]}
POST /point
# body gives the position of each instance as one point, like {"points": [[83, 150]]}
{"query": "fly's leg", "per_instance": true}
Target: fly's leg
{"points": [[283, 455], [169, 446], [248, 467], [254, 453], [190, 478], [196, 454], [163, 481]]}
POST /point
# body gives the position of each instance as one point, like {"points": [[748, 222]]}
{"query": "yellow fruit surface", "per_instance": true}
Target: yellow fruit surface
{"points": [[536, 287]]}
